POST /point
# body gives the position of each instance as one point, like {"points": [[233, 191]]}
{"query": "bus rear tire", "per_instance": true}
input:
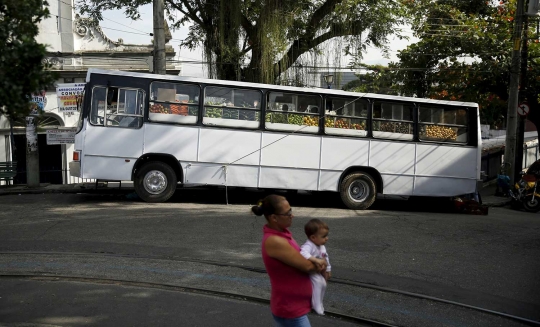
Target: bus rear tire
{"points": [[155, 182], [358, 191]]}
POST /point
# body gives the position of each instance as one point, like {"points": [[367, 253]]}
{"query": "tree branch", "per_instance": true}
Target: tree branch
{"points": [[191, 12], [304, 44]]}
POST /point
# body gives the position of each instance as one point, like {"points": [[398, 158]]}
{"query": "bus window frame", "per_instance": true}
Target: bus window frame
{"points": [[107, 87], [468, 142], [260, 110], [199, 106], [369, 106], [299, 128], [413, 120]]}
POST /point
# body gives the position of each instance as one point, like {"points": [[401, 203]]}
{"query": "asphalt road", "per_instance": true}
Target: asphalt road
{"points": [[197, 241]]}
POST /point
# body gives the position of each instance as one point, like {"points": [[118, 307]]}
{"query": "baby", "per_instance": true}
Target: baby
{"points": [[314, 250]]}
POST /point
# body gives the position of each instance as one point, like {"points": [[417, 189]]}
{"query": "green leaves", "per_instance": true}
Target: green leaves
{"points": [[22, 70], [258, 41], [464, 53]]}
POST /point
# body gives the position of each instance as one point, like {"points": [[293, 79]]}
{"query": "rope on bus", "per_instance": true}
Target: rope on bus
{"points": [[224, 167]]}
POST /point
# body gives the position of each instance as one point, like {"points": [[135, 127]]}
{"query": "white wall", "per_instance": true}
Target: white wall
{"points": [[49, 32]]}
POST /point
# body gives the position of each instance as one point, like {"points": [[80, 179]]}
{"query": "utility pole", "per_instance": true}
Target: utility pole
{"points": [[159, 37], [521, 123], [511, 118]]}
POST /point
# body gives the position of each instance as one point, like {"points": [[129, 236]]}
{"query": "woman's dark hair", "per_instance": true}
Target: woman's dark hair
{"points": [[268, 205]]}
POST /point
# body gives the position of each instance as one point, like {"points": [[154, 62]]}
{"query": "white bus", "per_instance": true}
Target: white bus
{"points": [[160, 130]]}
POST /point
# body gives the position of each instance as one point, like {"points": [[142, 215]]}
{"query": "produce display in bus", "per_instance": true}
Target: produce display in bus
{"points": [[225, 113], [231, 107], [393, 127], [345, 123], [159, 108], [439, 133], [292, 119], [443, 124], [345, 126]]}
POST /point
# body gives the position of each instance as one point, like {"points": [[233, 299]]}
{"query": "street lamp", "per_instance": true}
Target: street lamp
{"points": [[329, 79]]}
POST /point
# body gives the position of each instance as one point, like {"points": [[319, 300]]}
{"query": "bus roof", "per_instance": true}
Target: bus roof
{"points": [[275, 87]]}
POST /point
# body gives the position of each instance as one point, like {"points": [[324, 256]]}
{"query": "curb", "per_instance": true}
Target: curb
{"points": [[497, 204], [66, 190]]}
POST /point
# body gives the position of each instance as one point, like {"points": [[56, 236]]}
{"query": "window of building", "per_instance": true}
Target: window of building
{"points": [[346, 116], [393, 120], [224, 106], [293, 112], [174, 102], [443, 124]]}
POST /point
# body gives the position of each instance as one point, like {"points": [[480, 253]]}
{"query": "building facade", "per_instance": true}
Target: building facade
{"points": [[74, 45]]}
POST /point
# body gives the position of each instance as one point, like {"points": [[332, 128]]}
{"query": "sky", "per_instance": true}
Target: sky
{"points": [[116, 25]]}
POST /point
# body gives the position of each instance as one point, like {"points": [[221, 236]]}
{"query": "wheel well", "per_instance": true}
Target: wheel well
{"points": [[166, 158], [370, 170]]}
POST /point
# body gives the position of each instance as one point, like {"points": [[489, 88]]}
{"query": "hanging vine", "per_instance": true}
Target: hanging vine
{"points": [[273, 41]]}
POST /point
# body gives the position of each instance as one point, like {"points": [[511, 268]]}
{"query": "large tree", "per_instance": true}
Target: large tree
{"points": [[22, 71], [259, 41], [373, 79], [464, 53]]}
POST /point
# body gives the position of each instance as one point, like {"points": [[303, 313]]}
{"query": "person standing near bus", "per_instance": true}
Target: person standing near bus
{"points": [[291, 293]]}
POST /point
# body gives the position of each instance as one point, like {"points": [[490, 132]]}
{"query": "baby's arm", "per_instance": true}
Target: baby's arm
{"points": [[306, 250], [328, 273]]}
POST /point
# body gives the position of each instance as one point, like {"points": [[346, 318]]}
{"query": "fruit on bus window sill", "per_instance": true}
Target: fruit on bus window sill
{"points": [[393, 127], [159, 109], [193, 111], [310, 121], [213, 113], [360, 127], [231, 114], [439, 133], [179, 110]]}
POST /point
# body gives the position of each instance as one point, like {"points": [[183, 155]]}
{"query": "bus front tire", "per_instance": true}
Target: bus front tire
{"points": [[155, 182], [358, 191]]}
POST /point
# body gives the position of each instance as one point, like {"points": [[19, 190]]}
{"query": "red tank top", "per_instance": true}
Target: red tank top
{"points": [[291, 288]]}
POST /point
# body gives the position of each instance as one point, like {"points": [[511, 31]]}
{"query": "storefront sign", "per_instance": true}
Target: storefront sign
{"points": [[67, 96], [61, 136]]}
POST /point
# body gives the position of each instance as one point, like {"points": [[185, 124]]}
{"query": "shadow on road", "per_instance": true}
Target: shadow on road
{"points": [[244, 196]]}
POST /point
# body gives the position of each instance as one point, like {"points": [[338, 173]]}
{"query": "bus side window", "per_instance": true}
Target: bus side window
{"points": [[99, 101], [443, 124], [348, 117], [232, 107], [393, 121], [289, 111], [123, 107]]}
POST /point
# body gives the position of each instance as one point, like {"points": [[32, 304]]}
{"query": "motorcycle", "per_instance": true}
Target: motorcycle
{"points": [[525, 194]]}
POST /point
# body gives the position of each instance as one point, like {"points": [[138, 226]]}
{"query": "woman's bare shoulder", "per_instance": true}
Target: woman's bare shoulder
{"points": [[275, 240]]}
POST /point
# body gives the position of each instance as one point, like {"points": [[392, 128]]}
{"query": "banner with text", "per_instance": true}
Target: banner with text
{"points": [[67, 96]]}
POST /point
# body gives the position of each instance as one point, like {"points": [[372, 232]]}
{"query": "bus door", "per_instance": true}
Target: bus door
{"points": [[114, 136]]}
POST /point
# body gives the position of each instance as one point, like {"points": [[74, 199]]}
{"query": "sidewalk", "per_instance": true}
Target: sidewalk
{"points": [[488, 196], [102, 188]]}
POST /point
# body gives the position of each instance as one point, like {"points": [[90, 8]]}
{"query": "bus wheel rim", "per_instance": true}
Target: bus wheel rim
{"points": [[155, 182], [359, 191]]}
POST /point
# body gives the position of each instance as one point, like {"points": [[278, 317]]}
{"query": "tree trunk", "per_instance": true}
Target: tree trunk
{"points": [[32, 154]]}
